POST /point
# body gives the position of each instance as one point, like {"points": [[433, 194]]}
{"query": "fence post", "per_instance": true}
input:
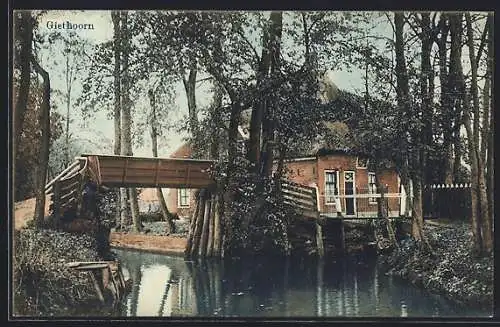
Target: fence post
{"points": [[56, 203], [338, 206], [402, 201]]}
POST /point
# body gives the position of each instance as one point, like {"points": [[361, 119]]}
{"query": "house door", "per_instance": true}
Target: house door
{"points": [[350, 203]]}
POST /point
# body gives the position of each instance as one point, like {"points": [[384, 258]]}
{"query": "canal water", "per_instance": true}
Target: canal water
{"points": [[169, 286]]}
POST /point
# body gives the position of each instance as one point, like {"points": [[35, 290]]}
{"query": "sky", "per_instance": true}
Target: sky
{"points": [[101, 126]]}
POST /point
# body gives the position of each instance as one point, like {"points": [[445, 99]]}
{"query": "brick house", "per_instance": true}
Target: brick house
{"points": [[343, 179]]}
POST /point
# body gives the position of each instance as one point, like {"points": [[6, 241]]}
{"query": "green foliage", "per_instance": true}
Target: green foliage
{"points": [[27, 154]]}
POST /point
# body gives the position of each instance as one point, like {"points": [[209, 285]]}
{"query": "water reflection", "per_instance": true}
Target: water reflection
{"points": [[170, 286]]}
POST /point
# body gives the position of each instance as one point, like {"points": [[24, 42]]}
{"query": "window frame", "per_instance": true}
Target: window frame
{"points": [[361, 165], [337, 188], [370, 184], [180, 197]]}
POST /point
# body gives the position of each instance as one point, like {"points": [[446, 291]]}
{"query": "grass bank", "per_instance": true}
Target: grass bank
{"points": [[42, 283], [450, 269]]}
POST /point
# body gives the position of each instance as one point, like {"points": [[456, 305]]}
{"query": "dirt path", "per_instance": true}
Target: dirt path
{"points": [[152, 243], [25, 210]]}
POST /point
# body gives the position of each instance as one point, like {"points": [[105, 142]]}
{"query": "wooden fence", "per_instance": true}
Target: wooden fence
{"points": [[451, 201]]}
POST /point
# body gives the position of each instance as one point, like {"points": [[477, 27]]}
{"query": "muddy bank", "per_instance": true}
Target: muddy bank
{"points": [[450, 270], [151, 243]]}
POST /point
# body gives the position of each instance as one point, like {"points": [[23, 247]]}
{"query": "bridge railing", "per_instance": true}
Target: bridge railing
{"points": [[66, 189], [304, 199], [362, 204]]}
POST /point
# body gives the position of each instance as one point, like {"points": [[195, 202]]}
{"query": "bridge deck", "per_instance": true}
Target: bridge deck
{"points": [[126, 171]]}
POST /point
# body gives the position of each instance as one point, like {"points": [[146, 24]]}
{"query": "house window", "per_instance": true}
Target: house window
{"points": [[183, 197], [372, 187], [331, 186], [362, 162]]}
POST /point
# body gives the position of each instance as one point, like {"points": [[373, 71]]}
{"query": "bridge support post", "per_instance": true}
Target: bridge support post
{"points": [[319, 239]]}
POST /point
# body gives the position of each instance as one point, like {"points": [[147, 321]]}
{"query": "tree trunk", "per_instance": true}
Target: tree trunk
{"points": [[115, 16], [233, 135], [167, 216], [490, 162], [483, 214], [446, 121], [402, 89], [43, 157], [475, 216], [474, 144], [126, 139], [217, 229], [206, 225], [269, 125], [192, 226], [417, 220], [454, 77], [211, 228], [190, 87], [216, 121], [487, 147], [260, 103], [68, 106], [475, 201], [25, 26], [124, 206], [427, 92], [199, 223]]}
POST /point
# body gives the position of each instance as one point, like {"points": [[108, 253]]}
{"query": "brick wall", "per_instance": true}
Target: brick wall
{"points": [[302, 172], [173, 204]]}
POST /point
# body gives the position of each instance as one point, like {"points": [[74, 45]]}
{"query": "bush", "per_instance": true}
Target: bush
{"points": [[150, 217]]}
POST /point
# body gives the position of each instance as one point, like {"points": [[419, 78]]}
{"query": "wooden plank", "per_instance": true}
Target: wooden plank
{"points": [[79, 263], [151, 165], [172, 179], [49, 184], [308, 203], [65, 188], [192, 185], [69, 203], [97, 286], [158, 165], [296, 189], [66, 196], [114, 156], [289, 182], [94, 266], [109, 174], [298, 195], [125, 170]]}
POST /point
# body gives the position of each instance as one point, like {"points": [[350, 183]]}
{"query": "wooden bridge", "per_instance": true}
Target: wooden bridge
{"points": [[65, 190]]}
